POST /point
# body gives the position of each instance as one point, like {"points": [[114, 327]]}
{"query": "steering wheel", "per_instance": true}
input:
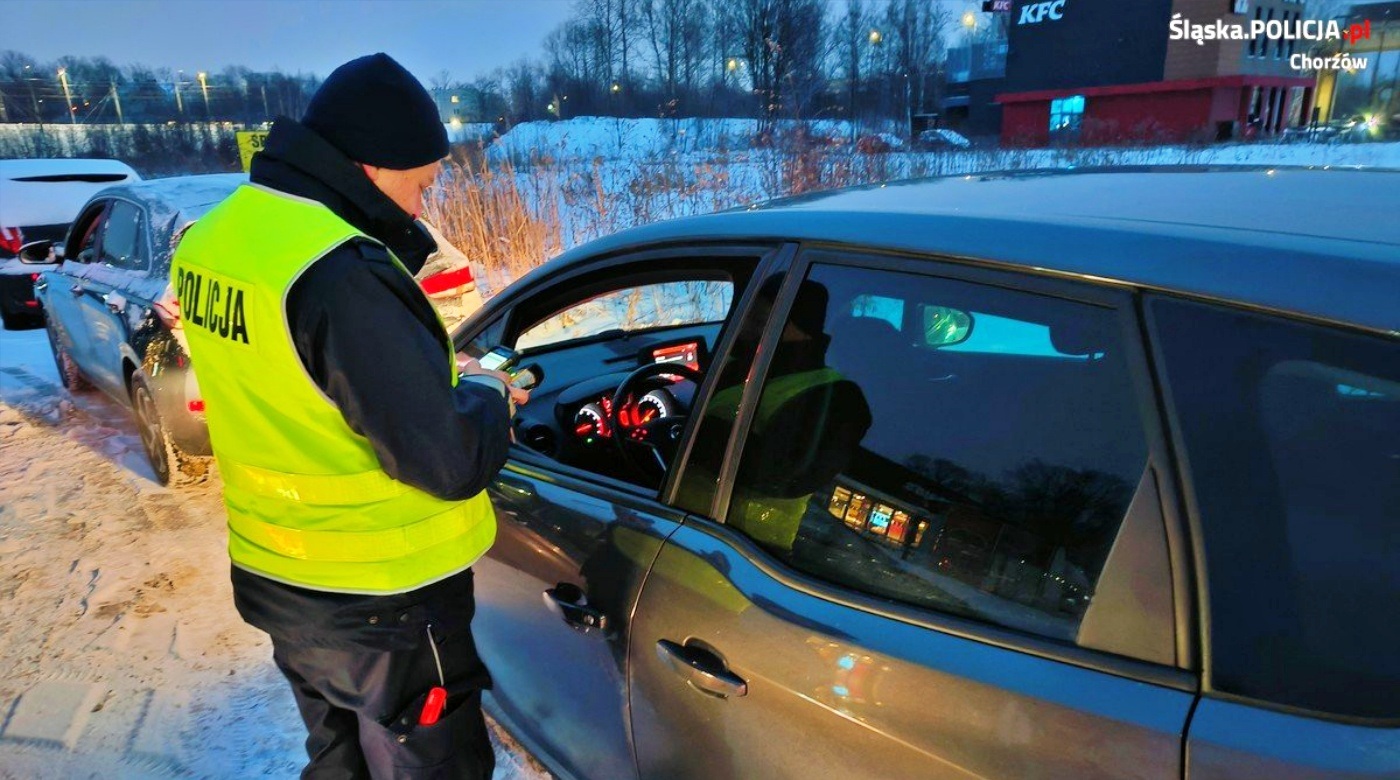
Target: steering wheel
{"points": [[658, 438]]}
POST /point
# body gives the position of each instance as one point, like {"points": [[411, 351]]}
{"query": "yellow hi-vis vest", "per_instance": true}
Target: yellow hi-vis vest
{"points": [[308, 502], [767, 519]]}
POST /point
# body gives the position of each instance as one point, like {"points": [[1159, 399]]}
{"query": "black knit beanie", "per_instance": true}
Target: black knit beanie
{"points": [[378, 114]]}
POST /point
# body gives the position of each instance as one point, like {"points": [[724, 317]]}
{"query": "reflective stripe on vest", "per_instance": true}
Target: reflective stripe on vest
{"points": [[308, 502]]}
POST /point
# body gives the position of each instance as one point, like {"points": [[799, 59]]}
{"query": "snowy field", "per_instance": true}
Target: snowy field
{"points": [[124, 657], [545, 187]]}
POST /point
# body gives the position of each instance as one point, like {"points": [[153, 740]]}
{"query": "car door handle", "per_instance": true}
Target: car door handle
{"points": [[568, 601], [115, 302], [702, 669], [76, 289]]}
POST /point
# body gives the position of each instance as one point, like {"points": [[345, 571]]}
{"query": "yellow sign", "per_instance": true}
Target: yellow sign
{"points": [[250, 142]]}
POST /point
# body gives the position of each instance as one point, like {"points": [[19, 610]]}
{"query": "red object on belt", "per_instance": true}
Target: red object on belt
{"points": [[433, 707], [447, 280]]}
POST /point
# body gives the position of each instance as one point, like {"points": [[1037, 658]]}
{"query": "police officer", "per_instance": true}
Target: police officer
{"points": [[353, 458]]}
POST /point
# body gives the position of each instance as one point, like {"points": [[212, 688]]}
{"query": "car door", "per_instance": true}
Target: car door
{"points": [[935, 544], [105, 305], [1291, 435], [555, 593], [66, 286]]}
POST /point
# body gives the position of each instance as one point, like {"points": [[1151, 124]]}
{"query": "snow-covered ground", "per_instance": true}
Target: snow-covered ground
{"points": [[123, 655]]}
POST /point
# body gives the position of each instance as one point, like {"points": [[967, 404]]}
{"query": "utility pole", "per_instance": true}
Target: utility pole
{"points": [[204, 87], [67, 96], [117, 101], [179, 103], [266, 113]]}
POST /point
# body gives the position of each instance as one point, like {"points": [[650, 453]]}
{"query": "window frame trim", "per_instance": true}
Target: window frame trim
{"points": [[95, 211], [763, 253], [1124, 300], [1182, 680]]}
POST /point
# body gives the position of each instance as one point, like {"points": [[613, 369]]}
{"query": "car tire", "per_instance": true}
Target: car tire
{"points": [[68, 372], [173, 466], [11, 321]]}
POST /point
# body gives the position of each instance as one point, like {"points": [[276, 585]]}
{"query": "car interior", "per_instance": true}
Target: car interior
{"points": [[616, 360]]}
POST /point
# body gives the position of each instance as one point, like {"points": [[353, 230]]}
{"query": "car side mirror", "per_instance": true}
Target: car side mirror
{"points": [[946, 327], [40, 253]]}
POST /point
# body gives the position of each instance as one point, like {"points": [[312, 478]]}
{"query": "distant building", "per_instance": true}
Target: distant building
{"points": [[460, 105], [1372, 93], [976, 75], [1093, 72]]}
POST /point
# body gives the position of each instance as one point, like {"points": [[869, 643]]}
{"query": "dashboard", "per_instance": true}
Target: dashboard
{"points": [[571, 417]]}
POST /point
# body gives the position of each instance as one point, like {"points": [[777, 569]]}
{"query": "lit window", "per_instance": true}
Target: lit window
{"points": [[455, 100], [1066, 116]]}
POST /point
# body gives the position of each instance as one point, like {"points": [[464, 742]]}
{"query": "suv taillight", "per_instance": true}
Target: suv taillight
{"points": [[448, 281], [11, 239]]}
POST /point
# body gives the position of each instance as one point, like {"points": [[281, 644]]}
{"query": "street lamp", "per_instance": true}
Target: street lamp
{"points": [[876, 37], [969, 20], [68, 96], [204, 87]]}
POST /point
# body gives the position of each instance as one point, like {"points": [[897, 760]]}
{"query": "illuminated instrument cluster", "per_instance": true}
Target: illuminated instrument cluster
{"points": [[594, 420]]}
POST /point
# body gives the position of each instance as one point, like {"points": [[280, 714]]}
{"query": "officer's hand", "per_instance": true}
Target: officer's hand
{"points": [[470, 367]]}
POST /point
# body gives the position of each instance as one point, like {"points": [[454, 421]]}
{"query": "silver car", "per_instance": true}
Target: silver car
{"points": [[1079, 475]]}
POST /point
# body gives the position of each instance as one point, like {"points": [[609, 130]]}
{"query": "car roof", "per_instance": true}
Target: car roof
{"points": [[15, 169], [51, 192], [1319, 242], [175, 202]]}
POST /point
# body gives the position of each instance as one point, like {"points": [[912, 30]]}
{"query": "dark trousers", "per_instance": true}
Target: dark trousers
{"points": [[362, 707]]}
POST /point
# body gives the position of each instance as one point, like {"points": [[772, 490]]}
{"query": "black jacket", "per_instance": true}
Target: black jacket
{"points": [[372, 342]]}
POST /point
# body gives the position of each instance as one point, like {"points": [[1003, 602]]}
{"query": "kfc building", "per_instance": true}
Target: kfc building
{"points": [[1093, 72]]}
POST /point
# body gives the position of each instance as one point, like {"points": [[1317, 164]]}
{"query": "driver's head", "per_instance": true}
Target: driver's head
{"points": [[804, 340], [379, 115]]}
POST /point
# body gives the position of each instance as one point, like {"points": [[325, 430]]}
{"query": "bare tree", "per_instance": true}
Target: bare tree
{"points": [[913, 40]]}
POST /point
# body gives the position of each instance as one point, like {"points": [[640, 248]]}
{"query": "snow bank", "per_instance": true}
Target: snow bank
{"points": [[640, 139]]}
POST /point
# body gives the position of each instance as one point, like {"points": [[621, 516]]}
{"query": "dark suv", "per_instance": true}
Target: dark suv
{"points": [[1082, 475], [113, 320]]}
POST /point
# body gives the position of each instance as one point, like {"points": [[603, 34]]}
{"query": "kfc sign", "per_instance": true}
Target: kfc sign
{"points": [[1035, 13], [996, 6]]}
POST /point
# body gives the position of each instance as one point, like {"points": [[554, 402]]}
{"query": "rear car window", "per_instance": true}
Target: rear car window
{"points": [[1292, 436], [988, 484]]}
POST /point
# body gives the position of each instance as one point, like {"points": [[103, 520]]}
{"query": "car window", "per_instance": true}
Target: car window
{"points": [[1292, 436], [986, 484], [123, 244], [85, 233], [634, 308]]}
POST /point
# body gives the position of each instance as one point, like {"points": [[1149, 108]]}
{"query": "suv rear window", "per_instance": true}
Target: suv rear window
{"points": [[1292, 436]]}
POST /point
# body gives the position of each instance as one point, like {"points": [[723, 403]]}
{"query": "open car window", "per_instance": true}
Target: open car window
{"points": [[667, 304], [584, 336]]}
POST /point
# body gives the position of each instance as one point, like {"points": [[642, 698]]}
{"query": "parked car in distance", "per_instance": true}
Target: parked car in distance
{"points": [[1087, 474], [38, 200], [113, 320], [943, 138]]}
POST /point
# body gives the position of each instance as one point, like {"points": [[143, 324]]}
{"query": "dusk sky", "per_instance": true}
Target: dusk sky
{"points": [[464, 37]]}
